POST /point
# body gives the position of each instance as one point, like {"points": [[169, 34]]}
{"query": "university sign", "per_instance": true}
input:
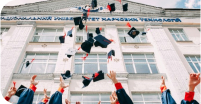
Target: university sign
{"points": [[50, 18]]}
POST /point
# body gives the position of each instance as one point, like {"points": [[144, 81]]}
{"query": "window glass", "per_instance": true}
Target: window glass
{"points": [[146, 98], [194, 62], [178, 34]]}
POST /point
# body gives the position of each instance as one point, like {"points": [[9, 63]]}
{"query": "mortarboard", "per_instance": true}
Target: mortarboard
{"points": [[81, 26], [77, 20], [84, 17], [70, 33], [133, 32], [94, 3], [66, 75], [86, 81], [101, 41], [27, 64], [20, 90], [111, 7], [70, 52], [144, 33], [62, 39], [97, 30], [125, 7], [89, 35], [98, 76], [110, 54], [86, 46]]}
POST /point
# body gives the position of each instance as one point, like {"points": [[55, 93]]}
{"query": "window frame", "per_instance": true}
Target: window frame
{"points": [[125, 35], [143, 99], [99, 97], [38, 94], [56, 34], [84, 61], [84, 33], [174, 33], [147, 62], [193, 62], [30, 66]]}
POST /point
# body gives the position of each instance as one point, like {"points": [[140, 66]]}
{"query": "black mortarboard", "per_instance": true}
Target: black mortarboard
{"points": [[66, 75], [89, 35], [133, 32], [144, 33], [97, 30], [101, 41], [62, 39], [86, 81], [70, 52], [125, 7], [77, 20], [86, 46], [94, 3], [20, 90], [81, 26], [112, 52], [27, 63], [84, 17], [70, 33], [98, 76], [112, 7]]}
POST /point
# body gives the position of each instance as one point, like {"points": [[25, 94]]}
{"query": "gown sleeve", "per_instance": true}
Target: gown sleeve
{"points": [[166, 97], [188, 99], [7, 98], [56, 98], [27, 95], [123, 98], [44, 101]]}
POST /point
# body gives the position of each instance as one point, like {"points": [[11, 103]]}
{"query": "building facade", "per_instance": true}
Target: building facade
{"points": [[171, 48]]}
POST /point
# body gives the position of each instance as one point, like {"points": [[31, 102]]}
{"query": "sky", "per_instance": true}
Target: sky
{"points": [[159, 3]]}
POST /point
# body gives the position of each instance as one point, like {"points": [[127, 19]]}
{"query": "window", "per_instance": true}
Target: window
{"points": [[47, 35], [178, 34], [140, 63], [4, 30], [43, 63], [146, 98], [91, 98], [125, 38], [37, 98], [194, 62], [92, 64], [81, 35]]}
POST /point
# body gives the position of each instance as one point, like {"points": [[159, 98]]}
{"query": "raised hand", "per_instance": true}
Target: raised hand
{"points": [[33, 80], [78, 103], [45, 94], [62, 83], [99, 102], [112, 76], [162, 81], [194, 81], [11, 92], [67, 102], [113, 98]]}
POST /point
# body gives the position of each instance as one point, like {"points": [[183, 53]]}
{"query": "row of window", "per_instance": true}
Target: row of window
{"points": [[138, 98], [135, 63], [52, 35]]}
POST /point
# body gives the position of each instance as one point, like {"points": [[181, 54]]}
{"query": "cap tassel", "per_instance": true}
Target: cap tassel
{"points": [[14, 83], [107, 41], [128, 24], [86, 27], [84, 58], [119, 1], [100, 28], [64, 34], [79, 48], [109, 7], [112, 40], [32, 60], [72, 28], [88, 12]]}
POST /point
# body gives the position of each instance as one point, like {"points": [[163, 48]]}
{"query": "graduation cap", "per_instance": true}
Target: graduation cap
{"points": [[70, 33], [101, 41], [27, 64], [97, 30], [94, 3], [98, 76], [77, 20], [81, 26], [62, 39], [144, 33], [89, 35], [20, 90], [125, 7], [70, 52], [86, 46], [133, 32], [110, 54], [85, 16], [111, 7], [86, 81], [66, 75]]}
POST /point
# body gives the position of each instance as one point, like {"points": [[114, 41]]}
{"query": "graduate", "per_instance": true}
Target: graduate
{"points": [[45, 99], [166, 97], [56, 98], [122, 96]]}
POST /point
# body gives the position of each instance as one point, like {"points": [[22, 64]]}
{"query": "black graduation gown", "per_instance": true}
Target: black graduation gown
{"points": [[56, 98], [26, 97], [187, 102], [167, 98], [123, 98]]}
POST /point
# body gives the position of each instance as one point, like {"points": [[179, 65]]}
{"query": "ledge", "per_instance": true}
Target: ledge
{"points": [[136, 43], [189, 41], [39, 43]]}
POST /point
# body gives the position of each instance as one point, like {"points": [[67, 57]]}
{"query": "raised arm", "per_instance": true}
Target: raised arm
{"points": [[10, 93]]}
